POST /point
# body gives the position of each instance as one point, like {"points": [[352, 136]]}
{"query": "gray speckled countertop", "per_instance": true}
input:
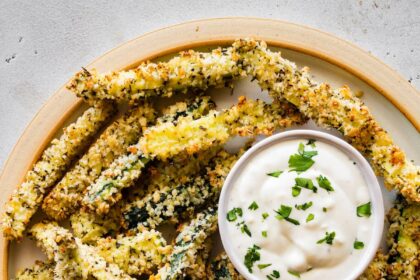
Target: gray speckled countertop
{"points": [[42, 43]]}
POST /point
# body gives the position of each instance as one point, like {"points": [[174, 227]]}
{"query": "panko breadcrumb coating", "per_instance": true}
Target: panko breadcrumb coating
{"points": [[247, 118], [221, 268], [332, 108], [54, 161], [90, 227], [140, 254], [172, 202], [39, 271], [188, 244], [126, 169], [197, 270], [189, 70], [73, 259], [66, 196], [328, 107]]}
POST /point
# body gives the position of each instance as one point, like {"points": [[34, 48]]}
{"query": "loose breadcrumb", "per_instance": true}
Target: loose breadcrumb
{"points": [[66, 196], [25, 201]]}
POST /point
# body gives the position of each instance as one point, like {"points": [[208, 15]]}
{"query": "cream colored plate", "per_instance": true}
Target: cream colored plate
{"points": [[393, 101]]}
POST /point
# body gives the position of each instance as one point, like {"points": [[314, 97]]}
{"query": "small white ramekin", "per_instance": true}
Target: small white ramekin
{"points": [[352, 153]]}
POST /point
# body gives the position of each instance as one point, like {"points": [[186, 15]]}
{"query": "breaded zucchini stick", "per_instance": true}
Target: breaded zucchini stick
{"points": [[25, 201], [74, 260], [404, 241], [175, 201], [188, 244], [189, 70], [126, 169], [247, 118], [66, 196], [89, 227], [197, 270], [332, 108], [59, 246], [377, 269], [140, 254], [221, 268], [39, 271]]}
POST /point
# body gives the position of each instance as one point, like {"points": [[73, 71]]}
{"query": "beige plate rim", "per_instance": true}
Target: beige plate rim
{"points": [[215, 31]]}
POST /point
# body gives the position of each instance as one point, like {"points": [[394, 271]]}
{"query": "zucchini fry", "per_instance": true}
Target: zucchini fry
{"points": [[404, 241], [332, 108], [221, 268], [89, 227], [39, 271], [247, 118], [66, 196], [59, 246], [189, 70], [74, 260], [126, 169], [173, 202], [140, 254], [197, 270], [377, 269], [188, 243], [25, 201]]}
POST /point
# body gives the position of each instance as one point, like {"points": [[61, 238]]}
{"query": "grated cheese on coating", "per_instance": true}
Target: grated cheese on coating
{"points": [[25, 201], [66, 196]]}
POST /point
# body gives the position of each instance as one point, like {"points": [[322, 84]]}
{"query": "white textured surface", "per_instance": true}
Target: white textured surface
{"points": [[42, 43]]}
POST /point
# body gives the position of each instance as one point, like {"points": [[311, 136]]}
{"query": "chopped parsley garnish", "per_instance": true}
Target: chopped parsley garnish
{"points": [[305, 183], [233, 214], [358, 245], [324, 183], [294, 273], [329, 238], [304, 206], [274, 275], [275, 174], [265, 215], [324, 209], [310, 217], [245, 228], [253, 206], [283, 213], [311, 142], [262, 266], [302, 161], [264, 233], [296, 191], [252, 256], [364, 210]]}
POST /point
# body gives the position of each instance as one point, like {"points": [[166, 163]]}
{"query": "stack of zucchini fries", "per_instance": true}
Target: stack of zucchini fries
{"points": [[148, 168]]}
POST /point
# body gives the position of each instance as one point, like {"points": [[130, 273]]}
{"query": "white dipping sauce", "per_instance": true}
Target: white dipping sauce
{"points": [[289, 247]]}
